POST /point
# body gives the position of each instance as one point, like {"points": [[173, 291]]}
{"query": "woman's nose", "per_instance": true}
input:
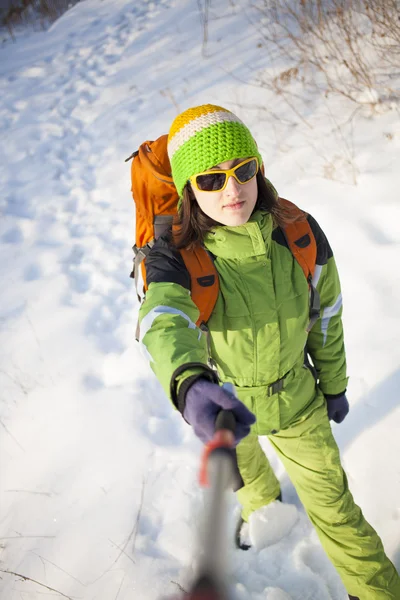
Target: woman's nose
{"points": [[232, 186]]}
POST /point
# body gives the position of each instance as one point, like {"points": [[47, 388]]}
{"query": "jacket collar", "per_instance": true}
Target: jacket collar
{"points": [[251, 239]]}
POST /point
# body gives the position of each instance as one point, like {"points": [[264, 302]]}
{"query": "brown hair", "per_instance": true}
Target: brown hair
{"points": [[192, 224]]}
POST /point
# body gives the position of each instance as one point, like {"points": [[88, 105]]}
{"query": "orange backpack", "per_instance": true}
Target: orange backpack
{"points": [[156, 200]]}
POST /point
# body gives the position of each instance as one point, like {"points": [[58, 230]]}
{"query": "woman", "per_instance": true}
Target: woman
{"points": [[257, 339]]}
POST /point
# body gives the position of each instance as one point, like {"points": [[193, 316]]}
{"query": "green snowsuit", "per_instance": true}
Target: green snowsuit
{"points": [[258, 336]]}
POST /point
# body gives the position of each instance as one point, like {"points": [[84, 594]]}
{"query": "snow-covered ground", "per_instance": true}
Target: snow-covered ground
{"points": [[99, 493]]}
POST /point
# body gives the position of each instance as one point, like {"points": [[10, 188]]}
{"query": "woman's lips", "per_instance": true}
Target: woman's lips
{"points": [[234, 205]]}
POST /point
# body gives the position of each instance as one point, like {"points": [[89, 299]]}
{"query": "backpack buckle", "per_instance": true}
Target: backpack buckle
{"points": [[276, 387], [314, 316], [141, 253]]}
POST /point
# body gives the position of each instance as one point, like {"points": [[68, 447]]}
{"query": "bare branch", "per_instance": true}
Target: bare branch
{"points": [[204, 17], [178, 585], [122, 551], [25, 578], [24, 537], [132, 534], [11, 435], [119, 589], [59, 568], [343, 47], [48, 494]]}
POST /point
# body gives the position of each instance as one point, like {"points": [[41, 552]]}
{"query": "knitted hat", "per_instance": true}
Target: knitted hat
{"points": [[203, 137]]}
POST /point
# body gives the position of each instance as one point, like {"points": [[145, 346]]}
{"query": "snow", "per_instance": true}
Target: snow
{"points": [[269, 524], [99, 497]]}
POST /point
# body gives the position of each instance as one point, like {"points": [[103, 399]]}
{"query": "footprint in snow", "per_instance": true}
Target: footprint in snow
{"points": [[276, 594], [76, 256], [92, 383], [32, 272], [14, 235], [314, 558], [377, 234], [162, 432], [102, 324], [80, 281], [17, 208], [269, 593]]}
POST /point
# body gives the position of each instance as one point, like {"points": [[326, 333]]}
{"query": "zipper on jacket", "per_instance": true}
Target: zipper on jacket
{"points": [[253, 326]]}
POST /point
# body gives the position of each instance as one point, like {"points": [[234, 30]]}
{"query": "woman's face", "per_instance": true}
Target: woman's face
{"points": [[233, 205]]}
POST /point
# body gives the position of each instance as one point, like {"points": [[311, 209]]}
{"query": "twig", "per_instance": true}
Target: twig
{"points": [[168, 94], [281, 93], [135, 527], [59, 568], [17, 382], [11, 436], [25, 578], [204, 22], [123, 551], [23, 537], [119, 589], [133, 534], [138, 516], [49, 494], [179, 586]]}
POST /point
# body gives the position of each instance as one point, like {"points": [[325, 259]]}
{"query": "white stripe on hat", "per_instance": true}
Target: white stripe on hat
{"points": [[198, 124]]}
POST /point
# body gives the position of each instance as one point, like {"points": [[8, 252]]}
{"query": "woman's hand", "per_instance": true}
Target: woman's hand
{"points": [[338, 407], [204, 400]]}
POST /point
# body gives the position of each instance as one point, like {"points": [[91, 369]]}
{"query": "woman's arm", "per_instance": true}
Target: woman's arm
{"points": [[175, 346], [325, 342]]}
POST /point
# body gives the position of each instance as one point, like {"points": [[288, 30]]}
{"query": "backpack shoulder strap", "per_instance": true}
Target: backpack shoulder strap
{"points": [[204, 281], [300, 239], [302, 244]]}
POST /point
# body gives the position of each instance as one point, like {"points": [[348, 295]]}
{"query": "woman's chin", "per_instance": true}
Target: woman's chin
{"points": [[235, 218]]}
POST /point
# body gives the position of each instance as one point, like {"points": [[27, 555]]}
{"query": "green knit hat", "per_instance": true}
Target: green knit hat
{"points": [[205, 136]]}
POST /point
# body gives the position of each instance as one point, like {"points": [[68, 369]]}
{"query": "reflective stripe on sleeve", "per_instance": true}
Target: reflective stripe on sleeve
{"points": [[329, 312], [148, 320], [317, 275]]}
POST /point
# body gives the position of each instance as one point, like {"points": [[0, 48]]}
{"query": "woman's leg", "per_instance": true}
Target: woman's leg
{"points": [[260, 483], [311, 458]]}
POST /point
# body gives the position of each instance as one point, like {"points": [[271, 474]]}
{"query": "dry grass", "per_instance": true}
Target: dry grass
{"points": [[29, 11], [345, 47]]}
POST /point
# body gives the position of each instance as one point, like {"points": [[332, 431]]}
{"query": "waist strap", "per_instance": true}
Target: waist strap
{"points": [[277, 386], [265, 390]]}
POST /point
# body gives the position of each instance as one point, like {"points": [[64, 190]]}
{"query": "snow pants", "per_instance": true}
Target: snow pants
{"points": [[311, 458]]}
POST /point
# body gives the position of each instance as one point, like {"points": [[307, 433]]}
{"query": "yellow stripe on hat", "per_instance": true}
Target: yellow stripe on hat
{"points": [[196, 125], [190, 114]]}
